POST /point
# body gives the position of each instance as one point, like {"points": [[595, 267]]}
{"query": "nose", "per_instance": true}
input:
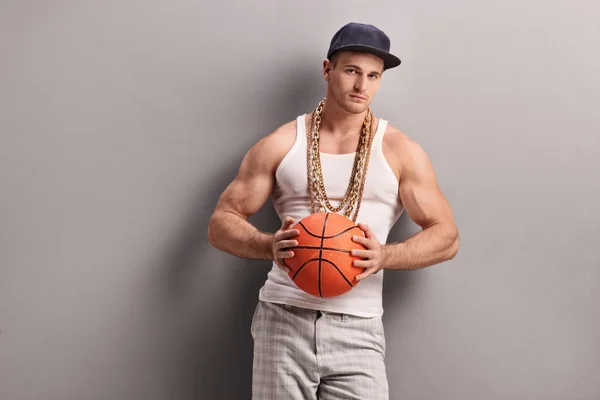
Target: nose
{"points": [[360, 83]]}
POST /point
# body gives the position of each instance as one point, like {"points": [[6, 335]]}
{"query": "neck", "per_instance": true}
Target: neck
{"points": [[339, 122]]}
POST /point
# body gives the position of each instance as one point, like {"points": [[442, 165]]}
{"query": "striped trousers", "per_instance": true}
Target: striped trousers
{"points": [[308, 355]]}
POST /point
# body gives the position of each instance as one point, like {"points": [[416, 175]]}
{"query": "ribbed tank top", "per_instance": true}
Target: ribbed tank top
{"points": [[380, 209]]}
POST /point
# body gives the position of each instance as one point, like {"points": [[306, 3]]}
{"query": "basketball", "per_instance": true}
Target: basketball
{"points": [[322, 263]]}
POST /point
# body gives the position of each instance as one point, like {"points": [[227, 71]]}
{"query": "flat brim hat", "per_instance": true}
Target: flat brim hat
{"points": [[366, 39]]}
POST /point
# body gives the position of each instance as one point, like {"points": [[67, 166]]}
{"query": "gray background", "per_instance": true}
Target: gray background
{"points": [[122, 121]]}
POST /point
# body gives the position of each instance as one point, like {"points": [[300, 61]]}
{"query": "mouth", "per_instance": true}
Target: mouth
{"points": [[356, 96]]}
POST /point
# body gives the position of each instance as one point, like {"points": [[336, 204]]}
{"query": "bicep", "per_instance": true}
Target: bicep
{"points": [[252, 186], [420, 193]]}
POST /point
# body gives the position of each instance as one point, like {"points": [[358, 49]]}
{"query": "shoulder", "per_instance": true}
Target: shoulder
{"points": [[404, 152], [399, 141], [282, 138], [272, 148]]}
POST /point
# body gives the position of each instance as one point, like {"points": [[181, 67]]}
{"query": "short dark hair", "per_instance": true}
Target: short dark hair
{"points": [[333, 58]]}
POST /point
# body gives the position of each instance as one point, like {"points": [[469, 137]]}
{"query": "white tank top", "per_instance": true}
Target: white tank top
{"points": [[380, 209]]}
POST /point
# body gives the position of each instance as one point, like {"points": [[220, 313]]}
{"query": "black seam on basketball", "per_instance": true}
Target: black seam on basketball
{"points": [[338, 270], [327, 237], [307, 231], [315, 248], [321, 252], [319, 282], [302, 266], [342, 232]]}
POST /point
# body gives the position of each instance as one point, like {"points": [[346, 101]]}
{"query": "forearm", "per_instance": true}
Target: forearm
{"points": [[235, 235], [431, 246]]}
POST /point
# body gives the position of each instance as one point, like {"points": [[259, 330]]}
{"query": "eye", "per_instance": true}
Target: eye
{"points": [[373, 76], [351, 70]]}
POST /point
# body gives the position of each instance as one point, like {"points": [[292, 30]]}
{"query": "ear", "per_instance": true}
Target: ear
{"points": [[327, 67]]}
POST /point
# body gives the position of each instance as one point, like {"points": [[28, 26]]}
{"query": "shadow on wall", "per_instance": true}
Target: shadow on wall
{"points": [[208, 297], [396, 284], [216, 349]]}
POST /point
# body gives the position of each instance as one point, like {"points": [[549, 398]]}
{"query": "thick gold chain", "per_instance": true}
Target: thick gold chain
{"points": [[318, 177], [362, 185], [316, 186]]}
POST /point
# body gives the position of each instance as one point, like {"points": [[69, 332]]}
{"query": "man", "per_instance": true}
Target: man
{"points": [[340, 159]]}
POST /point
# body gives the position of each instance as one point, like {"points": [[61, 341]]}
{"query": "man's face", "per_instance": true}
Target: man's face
{"points": [[354, 79]]}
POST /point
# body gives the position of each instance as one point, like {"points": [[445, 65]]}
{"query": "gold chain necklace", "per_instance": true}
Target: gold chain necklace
{"points": [[316, 186]]}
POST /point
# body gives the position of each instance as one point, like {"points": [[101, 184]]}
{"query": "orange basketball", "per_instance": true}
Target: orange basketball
{"points": [[322, 263]]}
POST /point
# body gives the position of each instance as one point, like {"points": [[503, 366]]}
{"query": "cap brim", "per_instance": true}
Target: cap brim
{"points": [[389, 60]]}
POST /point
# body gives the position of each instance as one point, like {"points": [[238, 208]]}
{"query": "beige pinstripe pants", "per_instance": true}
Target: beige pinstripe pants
{"points": [[307, 355]]}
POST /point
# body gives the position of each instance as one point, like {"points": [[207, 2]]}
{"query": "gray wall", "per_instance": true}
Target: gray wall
{"points": [[122, 121]]}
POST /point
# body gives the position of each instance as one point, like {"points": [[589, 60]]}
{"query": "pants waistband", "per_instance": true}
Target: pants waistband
{"points": [[343, 316]]}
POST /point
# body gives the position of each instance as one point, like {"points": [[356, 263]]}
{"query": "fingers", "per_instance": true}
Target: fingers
{"points": [[280, 255], [362, 253], [368, 232], [287, 223], [282, 252], [281, 244], [285, 254], [284, 244], [282, 235], [362, 240], [367, 272], [364, 263], [283, 267], [285, 232]]}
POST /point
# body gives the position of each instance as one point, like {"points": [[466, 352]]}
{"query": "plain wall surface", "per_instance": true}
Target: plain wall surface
{"points": [[121, 122]]}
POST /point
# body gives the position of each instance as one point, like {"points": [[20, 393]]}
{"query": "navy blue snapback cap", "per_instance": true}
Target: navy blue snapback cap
{"points": [[364, 38]]}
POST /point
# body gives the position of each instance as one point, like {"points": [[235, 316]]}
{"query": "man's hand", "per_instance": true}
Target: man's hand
{"points": [[374, 255], [281, 242]]}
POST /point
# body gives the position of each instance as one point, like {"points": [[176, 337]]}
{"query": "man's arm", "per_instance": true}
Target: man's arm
{"points": [[228, 228], [426, 205]]}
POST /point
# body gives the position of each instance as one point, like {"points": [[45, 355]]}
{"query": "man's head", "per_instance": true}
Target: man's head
{"points": [[357, 57], [353, 79]]}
